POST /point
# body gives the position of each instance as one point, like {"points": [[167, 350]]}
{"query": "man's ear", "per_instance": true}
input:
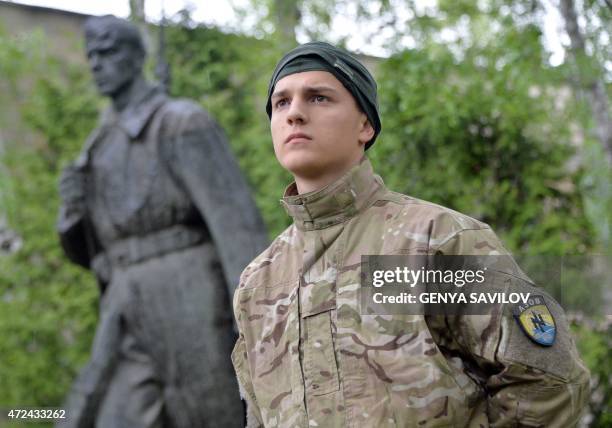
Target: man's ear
{"points": [[366, 132]]}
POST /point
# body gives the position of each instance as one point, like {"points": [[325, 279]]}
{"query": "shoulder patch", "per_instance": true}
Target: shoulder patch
{"points": [[536, 321]]}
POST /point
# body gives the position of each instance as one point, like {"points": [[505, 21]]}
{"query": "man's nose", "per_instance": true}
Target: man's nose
{"points": [[297, 112]]}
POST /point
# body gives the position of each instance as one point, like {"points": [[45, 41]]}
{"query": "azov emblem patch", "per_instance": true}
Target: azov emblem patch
{"points": [[536, 321]]}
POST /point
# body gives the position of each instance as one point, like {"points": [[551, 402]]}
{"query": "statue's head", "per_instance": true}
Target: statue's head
{"points": [[115, 51]]}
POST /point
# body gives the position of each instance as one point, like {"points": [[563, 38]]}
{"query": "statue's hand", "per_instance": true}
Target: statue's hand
{"points": [[72, 187]]}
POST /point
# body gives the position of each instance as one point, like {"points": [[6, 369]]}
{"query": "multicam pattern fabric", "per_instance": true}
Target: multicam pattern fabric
{"points": [[306, 357]]}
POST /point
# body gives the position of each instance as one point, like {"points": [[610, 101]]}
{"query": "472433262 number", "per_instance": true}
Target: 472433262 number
{"points": [[36, 414]]}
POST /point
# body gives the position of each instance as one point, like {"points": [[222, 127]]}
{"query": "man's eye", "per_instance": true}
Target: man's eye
{"points": [[319, 98], [281, 103]]}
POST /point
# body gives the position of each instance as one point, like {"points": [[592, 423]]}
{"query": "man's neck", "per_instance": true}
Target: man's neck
{"points": [[130, 92], [311, 184]]}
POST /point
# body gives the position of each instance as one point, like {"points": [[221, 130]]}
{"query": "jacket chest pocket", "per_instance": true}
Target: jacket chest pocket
{"points": [[271, 339], [318, 310], [319, 361]]}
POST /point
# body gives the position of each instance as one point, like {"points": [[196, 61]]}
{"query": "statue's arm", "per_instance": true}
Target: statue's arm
{"points": [[203, 162], [72, 233]]}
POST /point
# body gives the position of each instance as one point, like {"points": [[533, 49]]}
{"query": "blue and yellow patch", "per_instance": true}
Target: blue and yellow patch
{"points": [[536, 321]]}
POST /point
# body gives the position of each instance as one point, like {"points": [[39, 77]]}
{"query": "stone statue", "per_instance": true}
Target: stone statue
{"points": [[157, 208]]}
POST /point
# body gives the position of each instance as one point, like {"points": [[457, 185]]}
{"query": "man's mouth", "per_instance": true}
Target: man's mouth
{"points": [[297, 137]]}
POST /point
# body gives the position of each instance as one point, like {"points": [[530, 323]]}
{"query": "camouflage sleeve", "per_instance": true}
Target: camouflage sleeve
{"points": [[527, 384], [243, 375]]}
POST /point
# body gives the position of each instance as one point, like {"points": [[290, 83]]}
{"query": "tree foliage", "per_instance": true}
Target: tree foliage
{"points": [[477, 135], [47, 306]]}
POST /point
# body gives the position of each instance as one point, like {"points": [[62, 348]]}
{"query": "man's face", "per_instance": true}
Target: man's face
{"points": [[317, 127], [113, 63]]}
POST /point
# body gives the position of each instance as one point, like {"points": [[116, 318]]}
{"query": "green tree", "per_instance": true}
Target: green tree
{"points": [[47, 306]]}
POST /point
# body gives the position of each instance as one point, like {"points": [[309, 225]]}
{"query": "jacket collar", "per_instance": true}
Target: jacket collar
{"points": [[336, 202], [137, 113]]}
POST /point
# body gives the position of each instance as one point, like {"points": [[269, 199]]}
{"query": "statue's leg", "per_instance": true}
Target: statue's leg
{"points": [[185, 320], [88, 390], [134, 396]]}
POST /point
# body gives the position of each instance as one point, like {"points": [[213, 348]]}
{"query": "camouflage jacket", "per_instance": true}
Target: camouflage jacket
{"points": [[306, 357]]}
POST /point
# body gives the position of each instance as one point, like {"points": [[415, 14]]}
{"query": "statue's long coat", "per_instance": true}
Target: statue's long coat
{"points": [[169, 226]]}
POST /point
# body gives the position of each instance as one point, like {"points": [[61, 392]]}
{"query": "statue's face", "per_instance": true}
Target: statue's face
{"points": [[114, 63]]}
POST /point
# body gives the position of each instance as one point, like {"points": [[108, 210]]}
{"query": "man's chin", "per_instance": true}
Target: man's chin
{"points": [[301, 164]]}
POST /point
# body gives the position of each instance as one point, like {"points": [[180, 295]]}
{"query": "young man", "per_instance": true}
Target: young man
{"points": [[306, 356]]}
